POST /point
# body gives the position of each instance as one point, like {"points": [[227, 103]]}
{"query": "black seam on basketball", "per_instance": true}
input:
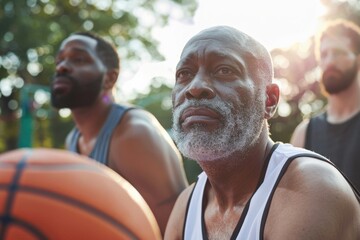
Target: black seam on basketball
{"points": [[54, 167], [12, 188], [29, 227], [78, 204]]}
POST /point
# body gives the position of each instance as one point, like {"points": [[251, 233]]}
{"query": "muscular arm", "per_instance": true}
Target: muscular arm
{"points": [[309, 205], [143, 153], [299, 134]]}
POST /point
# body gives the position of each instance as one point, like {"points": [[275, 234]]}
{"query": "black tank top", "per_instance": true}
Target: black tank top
{"points": [[338, 142]]}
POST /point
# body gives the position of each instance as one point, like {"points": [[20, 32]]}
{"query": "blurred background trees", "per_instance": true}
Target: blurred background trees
{"points": [[30, 34], [31, 31]]}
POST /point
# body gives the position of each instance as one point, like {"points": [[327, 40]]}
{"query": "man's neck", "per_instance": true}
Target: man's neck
{"points": [[89, 120], [234, 180]]}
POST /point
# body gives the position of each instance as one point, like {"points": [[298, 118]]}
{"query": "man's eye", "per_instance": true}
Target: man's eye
{"points": [[184, 75], [58, 60], [339, 53], [79, 60], [224, 71]]}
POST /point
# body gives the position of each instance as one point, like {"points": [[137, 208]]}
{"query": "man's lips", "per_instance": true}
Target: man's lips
{"points": [[331, 72], [194, 115], [61, 85]]}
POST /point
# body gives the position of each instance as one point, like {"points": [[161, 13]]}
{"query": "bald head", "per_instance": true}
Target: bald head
{"points": [[257, 58]]}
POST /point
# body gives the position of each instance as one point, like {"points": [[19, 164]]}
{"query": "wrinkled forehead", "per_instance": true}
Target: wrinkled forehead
{"points": [[80, 40], [223, 39], [231, 43], [220, 43], [202, 46]]}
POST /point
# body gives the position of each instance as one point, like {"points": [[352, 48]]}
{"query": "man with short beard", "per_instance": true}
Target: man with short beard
{"points": [[334, 132], [251, 188], [129, 140]]}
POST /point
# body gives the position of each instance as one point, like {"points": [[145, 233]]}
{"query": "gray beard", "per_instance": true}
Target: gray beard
{"points": [[241, 129]]}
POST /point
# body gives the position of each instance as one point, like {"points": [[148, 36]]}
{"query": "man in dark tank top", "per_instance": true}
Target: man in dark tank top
{"points": [[335, 133], [129, 140]]}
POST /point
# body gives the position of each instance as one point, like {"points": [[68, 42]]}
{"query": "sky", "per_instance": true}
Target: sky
{"points": [[274, 23]]}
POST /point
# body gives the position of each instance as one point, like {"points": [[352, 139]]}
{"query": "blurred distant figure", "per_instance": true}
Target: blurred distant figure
{"points": [[129, 140], [335, 133]]}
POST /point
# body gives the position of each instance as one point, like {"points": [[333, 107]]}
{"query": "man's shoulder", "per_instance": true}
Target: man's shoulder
{"points": [[288, 151], [310, 172], [313, 192], [136, 122]]}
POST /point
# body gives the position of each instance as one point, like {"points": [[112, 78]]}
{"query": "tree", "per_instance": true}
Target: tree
{"points": [[32, 30]]}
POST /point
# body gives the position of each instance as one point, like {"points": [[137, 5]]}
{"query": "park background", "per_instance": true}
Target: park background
{"points": [[149, 35]]}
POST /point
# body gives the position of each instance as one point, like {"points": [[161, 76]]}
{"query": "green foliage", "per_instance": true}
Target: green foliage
{"points": [[158, 102], [30, 34]]}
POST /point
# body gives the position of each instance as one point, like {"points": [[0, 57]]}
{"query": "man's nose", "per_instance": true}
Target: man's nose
{"points": [[330, 59], [63, 67], [201, 87]]}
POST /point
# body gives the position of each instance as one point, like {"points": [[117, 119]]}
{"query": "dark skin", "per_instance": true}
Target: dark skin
{"points": [[141, 151], [218, 64]]}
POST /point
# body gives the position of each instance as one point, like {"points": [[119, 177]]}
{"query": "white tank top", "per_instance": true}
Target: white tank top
{"points": [[252, 227]]}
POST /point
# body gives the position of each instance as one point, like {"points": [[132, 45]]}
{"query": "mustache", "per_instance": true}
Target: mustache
{"points": [[198, 103], [332, 69], [63, 75], [220, 107]]}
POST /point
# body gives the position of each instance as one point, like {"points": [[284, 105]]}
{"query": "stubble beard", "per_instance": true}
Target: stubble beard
{"points": [[335, 85], [241, 129], [79, 95]]}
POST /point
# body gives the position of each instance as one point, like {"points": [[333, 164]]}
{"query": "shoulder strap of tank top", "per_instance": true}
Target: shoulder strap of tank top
{"points": [[101, 148], [74, 137], [307, 143], [285, 167]]}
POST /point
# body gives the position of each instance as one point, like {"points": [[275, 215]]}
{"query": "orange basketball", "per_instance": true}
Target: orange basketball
{"points": [[55, 194]]}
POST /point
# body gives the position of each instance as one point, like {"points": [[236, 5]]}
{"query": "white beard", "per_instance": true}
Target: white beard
{"points": [[241, 129]]}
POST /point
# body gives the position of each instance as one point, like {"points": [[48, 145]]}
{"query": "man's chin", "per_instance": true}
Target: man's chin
{"points": [[57, 103]]}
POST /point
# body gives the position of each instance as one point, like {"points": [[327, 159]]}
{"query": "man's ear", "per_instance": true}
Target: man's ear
{"points": [[272, 99], [110, 78]]}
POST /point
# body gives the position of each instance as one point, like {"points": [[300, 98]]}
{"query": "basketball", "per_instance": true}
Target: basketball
{"points": [[55, 194]]}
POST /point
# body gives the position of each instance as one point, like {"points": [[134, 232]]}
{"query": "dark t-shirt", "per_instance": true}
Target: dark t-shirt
{"points": [[338, 142]]}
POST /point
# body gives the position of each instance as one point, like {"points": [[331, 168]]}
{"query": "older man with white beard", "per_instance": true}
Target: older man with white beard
{"points": [[222, 141], [250, 188]]}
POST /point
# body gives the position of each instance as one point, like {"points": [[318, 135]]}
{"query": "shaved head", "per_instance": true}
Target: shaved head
{"points": [[259, 59]]}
